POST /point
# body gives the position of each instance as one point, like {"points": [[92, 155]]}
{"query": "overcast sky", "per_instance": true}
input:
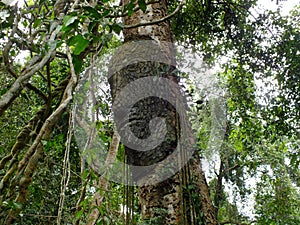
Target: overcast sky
{"points": [[286, 5]]}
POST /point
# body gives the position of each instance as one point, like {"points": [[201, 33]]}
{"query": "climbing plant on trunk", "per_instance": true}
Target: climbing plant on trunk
{"points": [[170, 200]]}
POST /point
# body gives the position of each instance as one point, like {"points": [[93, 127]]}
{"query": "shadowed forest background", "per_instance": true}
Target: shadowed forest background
{"points": [[51, 49]]}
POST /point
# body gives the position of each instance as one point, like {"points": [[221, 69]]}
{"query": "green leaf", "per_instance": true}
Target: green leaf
{"points": [[142, 5], [67, 20], [77, 64], [129, 7], [13, 52], [81, 46], [25, 23], [79, 214], [37, 23], [17, 205], [105, 12], [117, 27], [79, 42], [92, 12]]}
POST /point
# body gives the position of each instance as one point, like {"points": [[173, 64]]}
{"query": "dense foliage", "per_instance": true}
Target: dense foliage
{"points": [[46, 46]]}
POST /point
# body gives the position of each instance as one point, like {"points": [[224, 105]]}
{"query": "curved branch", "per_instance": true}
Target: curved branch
{"points": [[8, 46], [34, 65], [13, 73], [179, 7], [35, 151], [37, 91]]}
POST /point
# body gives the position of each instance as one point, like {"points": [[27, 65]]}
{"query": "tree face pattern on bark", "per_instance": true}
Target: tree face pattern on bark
{"points": [[153, 107]]}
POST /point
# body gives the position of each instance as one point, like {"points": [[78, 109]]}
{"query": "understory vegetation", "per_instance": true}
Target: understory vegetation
{"points": [[242, 91]]}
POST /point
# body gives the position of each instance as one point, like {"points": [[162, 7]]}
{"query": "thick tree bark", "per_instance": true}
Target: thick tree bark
{"points": [[201, 188], [166, 201], [159, 202]]}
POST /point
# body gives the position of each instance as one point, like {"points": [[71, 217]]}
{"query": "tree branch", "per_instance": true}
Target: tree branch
{"points": [[103, 183], [34, 153], [179, 7], [37, 91], [13, 73], [33, 66], [231, 168]]}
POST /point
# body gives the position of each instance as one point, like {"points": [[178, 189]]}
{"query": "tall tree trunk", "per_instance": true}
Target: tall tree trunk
{"points": [[169, 200]]}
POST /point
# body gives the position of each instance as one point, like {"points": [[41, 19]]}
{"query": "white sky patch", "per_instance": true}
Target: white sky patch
{"points": [[12, 2], [21, 57], [4, 15], [7, 2], [245, 206], [266, 89], [285, 5]]}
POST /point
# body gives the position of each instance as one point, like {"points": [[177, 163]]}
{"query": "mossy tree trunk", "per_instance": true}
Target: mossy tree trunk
{"points": [[168, 201]]}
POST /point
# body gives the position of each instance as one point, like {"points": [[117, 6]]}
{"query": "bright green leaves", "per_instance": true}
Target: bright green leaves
{"points": [[70, 24], [68, 20], [78, 43], [37, 23]]}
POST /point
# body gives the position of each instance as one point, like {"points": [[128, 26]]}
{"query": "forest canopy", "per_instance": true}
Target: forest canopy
{"points": [[236, 69]]}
